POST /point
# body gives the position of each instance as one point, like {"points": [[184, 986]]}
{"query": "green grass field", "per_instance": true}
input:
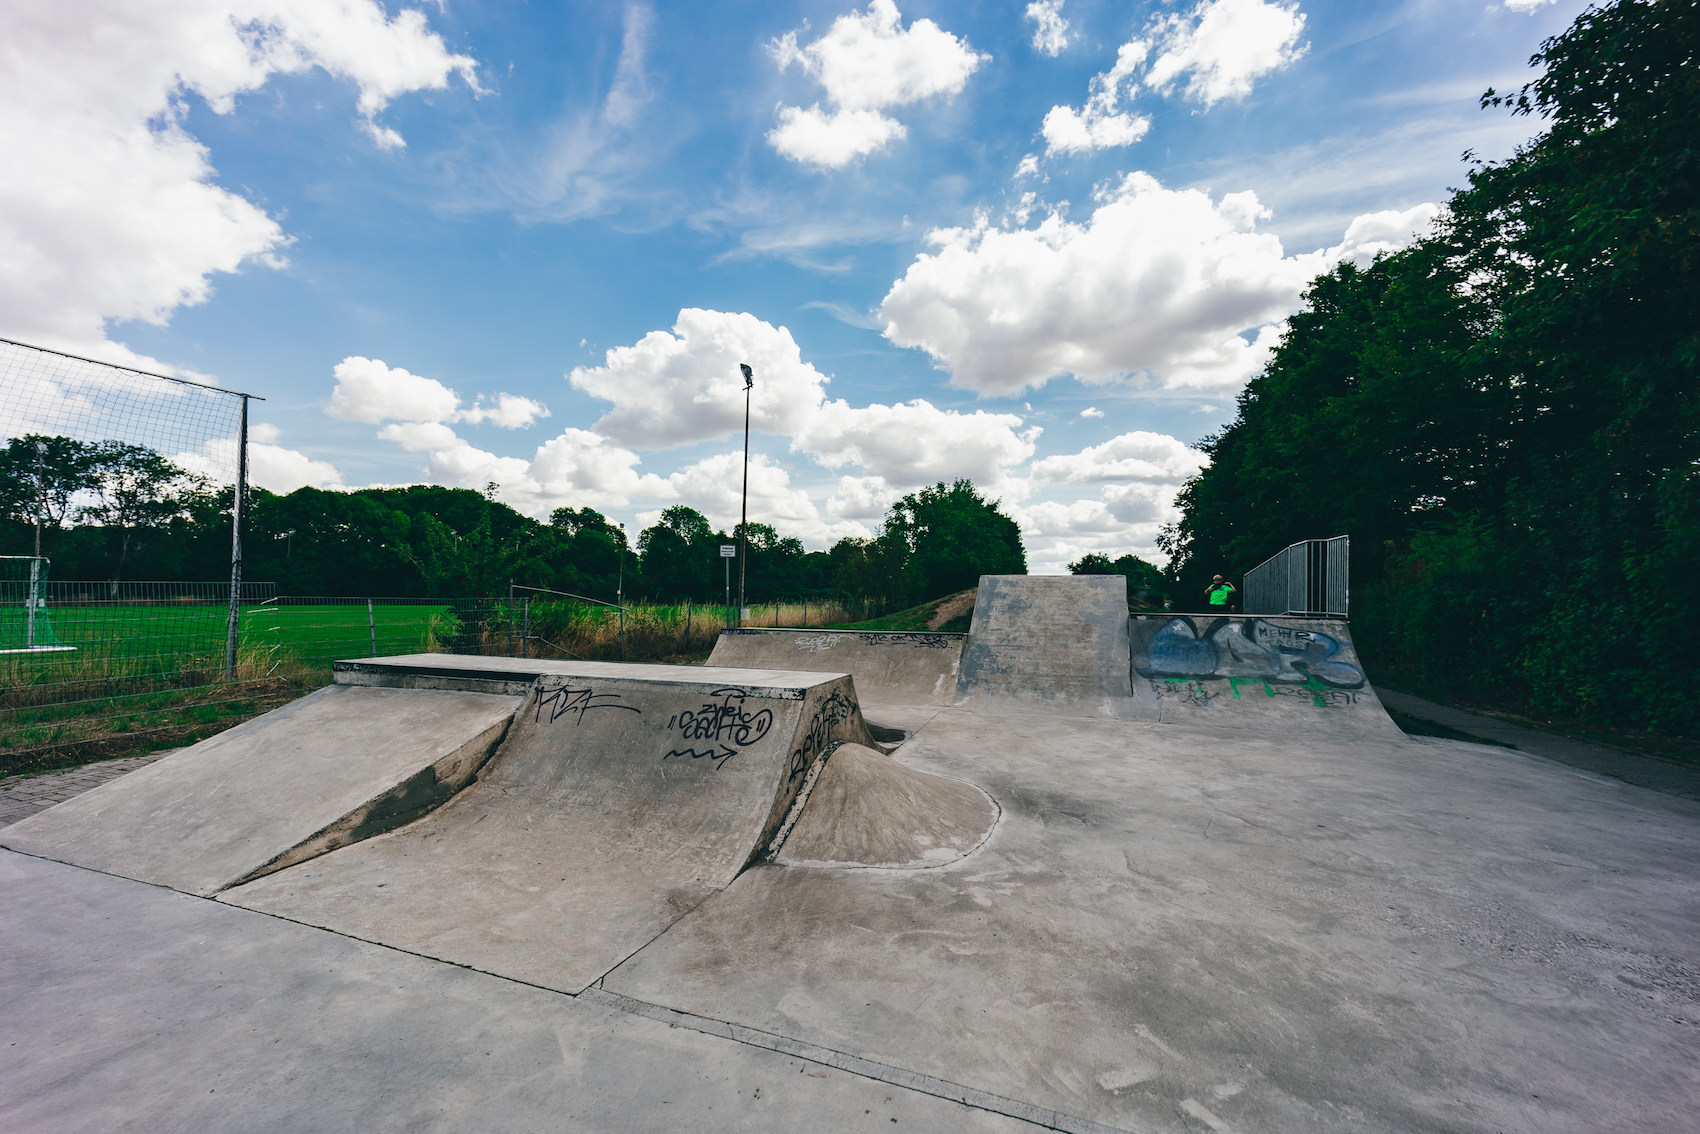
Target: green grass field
{"points": [[153, 675]]}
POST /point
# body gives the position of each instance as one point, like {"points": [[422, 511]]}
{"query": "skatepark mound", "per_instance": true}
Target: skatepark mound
{"points": [[890, 667], [620, 799], [866, 809]]}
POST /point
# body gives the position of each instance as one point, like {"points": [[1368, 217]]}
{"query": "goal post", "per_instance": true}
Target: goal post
{"points": [[25, 626]]}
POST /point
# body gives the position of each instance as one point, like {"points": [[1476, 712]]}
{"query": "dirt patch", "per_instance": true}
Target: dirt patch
{"points": [[951, 608]]}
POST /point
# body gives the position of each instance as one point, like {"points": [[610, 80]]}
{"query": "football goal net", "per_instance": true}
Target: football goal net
{"points": [[25, 626]]}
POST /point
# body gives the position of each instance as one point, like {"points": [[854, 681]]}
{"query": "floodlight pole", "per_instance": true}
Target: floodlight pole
{"points": [[744, 518], [234, 625]]}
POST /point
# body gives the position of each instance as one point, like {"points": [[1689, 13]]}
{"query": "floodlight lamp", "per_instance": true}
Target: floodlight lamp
{"points": [[749, 375]]}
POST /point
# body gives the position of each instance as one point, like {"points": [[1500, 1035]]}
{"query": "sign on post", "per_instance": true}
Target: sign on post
{"points": [[728, 551]]}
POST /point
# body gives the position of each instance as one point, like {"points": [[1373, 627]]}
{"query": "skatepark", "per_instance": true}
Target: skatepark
{"points": [[1074, 870]]}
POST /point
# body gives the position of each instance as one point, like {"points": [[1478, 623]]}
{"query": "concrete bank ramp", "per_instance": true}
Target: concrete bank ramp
{"points": [[1057, 643], [890, 668], [867, 809], [622, 797], [335, 767], [1300, 676]]}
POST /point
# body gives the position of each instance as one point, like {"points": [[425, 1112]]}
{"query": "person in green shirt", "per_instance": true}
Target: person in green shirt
{"points": [[1218, 595]]}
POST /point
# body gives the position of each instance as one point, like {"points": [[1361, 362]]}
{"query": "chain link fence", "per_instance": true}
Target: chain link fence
{"points": [[148, 669], [101, 443]]}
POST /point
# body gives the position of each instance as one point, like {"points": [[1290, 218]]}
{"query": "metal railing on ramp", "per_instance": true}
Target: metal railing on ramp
{"points": [[1311, 577]]}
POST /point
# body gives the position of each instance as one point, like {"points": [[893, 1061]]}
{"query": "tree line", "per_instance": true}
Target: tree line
{"points": [[111, 511], [1503, 416]]}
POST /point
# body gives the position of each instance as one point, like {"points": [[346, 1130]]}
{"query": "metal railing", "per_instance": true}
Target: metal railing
{"points": [[62, 592], [1309, 577]]}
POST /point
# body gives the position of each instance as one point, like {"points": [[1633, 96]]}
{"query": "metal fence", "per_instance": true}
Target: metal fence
{"points": [[149, 669], [64, 418], [72, 592], [1309, 577]]}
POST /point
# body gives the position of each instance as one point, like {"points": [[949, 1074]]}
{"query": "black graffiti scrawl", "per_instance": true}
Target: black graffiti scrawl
{"points": [[835, 709], [724, 722], [565, 700], [1249, 650]]}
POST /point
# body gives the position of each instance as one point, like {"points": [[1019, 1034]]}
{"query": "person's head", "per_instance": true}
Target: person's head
{"points": [[1216, 579]]}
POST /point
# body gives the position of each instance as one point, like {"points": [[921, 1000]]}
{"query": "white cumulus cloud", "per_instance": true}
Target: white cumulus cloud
{"points": [[1050, 30], [671, 389], [1137, 474], [1151, 458], [916, 443], [371, 391], [108, 206], [1099, 124], [270, 465], [683, 387], [867, 61], [1172, 284], [1527, 6], [1222, 46]]}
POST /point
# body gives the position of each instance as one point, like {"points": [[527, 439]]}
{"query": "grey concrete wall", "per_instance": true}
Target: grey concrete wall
{"points": [[1048, 641]]}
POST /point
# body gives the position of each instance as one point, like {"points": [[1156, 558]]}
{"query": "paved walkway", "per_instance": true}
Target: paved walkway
{"points": [[22, 797], [1631, 767]]}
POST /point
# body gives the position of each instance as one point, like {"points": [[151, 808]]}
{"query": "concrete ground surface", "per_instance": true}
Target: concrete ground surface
{"points": [[1202, 924], [133, 1007], [1631, 767]]}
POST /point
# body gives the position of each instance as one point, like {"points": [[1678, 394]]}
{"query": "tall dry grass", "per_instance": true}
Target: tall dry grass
{"points": [[652, 632]]}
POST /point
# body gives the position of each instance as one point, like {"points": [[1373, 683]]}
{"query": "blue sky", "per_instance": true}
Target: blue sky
{"points": [[1041, 245]]}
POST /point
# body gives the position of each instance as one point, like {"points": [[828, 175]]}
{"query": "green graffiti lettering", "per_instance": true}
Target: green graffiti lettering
{"points": [[1235, 682]]}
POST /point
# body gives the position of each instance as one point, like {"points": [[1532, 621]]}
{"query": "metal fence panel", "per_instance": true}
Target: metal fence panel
{"points": [[1310, 577]]}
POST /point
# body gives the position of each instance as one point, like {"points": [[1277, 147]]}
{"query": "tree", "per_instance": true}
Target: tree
{"points": [[948, 536], [1506, 416], [38, 471], [1146, 587], [136, 491]]}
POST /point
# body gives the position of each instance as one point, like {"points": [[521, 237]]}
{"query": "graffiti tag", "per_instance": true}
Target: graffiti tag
{"points": [[1254, 657], [561, 700], [725, 721], [719, 756], [831, 712]]}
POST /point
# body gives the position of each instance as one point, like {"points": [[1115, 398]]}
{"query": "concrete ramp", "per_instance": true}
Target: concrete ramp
{"points": [[1052, 642], [1297, 675], [890, 668], [622, 797], [338, 766]]}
